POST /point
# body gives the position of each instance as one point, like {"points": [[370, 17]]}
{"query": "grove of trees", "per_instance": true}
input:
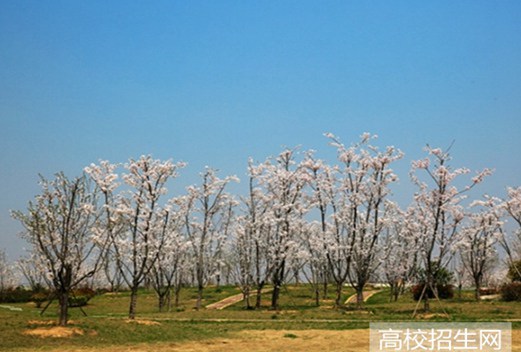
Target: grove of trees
{"points": [[302, 218]]}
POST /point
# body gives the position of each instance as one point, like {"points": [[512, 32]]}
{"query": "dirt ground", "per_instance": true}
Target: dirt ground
{"points": [[271, 340]]}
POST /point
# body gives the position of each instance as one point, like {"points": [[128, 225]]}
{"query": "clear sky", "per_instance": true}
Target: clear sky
{"points": [[214, 82]]}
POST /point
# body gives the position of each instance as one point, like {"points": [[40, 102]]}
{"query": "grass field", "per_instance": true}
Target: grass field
{"points": [[298, 323]]}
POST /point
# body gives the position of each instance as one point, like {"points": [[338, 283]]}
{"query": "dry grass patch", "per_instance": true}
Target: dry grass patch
{"points": [[432, 316], [55, 331], [142, 322], [266, 341]]}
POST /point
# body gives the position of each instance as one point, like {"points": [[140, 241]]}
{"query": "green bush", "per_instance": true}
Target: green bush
{"points": [[15, 295], [511, 292], [81, 296]]}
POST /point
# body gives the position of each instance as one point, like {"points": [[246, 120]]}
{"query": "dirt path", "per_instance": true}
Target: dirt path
{"points": [[367, 295], [229, 301]]}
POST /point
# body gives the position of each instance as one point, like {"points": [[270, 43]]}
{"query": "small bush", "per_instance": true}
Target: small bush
{"points": [[511, 292], [444, 292], [15, 295], [486, 291], [81, 296], [39, 297]]}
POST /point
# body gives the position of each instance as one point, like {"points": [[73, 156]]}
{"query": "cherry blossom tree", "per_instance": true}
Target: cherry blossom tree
{"points": [[512, 244], [361, 210], [315, 257], [243, 260], [322, 197], [58, 225], [327, 197], [135, 222], [7, 273], [478, 240], [282, 182], [252, 243], [436, 212], [33, 270], [168, 269], [208, 222], [400, 253]]}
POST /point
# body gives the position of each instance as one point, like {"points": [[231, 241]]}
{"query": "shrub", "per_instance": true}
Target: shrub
{"points": [[444, 291], [39, 297], [511, 292], [81, 296], [485, 291], [15, 295]]}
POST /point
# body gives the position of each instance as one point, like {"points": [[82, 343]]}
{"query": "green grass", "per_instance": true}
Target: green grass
{"points": [[106, 323]]}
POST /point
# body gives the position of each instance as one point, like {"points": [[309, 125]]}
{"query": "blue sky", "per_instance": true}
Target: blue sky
{"points": [[214, 82]]}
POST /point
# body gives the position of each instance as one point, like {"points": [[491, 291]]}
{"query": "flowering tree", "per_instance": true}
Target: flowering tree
{"points": [[328, 252], [315, 257], [58, 225], [281, 181], [513, 208], [7, 276], [400, 253], [134, 220], [252, 244], [436, 212], [362, 209], [33, 270], [478, 240], [208, 222], [168, 270], [331, 240]]}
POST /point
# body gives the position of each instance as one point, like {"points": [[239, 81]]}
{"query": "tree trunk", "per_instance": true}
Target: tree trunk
{"points": [[133, 303], [277, 283], [397, 290], [275, 296], [338, 299], [258, 299], [477, 295], [392, 287], [317, 295], [359, 296], [428, 286], [246, 298], [426, 303], [324, 292], [199, 297], [169, 300], [177, 292], [162, 298], [64, 308]]}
